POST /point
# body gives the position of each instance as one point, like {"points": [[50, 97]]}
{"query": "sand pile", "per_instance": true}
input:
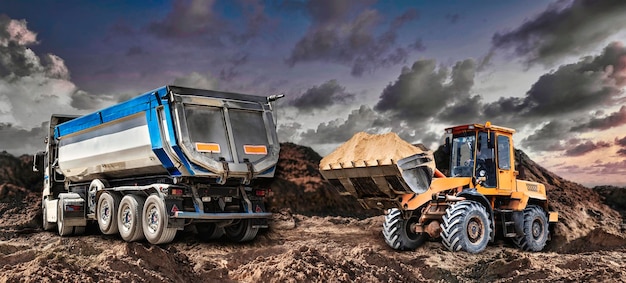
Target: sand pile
{"points": [[364, 148]]}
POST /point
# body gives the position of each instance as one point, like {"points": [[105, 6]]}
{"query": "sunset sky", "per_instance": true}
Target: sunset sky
{"points": [[553, 70]]}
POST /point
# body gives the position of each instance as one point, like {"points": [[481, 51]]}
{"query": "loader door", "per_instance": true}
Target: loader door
{"points": [[506, 179]]}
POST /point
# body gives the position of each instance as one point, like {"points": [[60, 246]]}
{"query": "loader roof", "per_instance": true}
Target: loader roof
{"points": [[473, 127]]}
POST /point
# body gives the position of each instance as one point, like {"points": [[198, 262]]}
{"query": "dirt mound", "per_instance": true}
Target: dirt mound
{"points": [[364, 148]]}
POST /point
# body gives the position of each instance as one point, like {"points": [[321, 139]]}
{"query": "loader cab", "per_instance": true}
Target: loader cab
{"points": [[484, 152]]}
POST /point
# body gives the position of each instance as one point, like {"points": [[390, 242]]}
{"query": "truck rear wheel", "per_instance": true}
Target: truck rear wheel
{"points": [[465, 226], [241, 231], [209, 231], [64, 230], [155, 218], [47, 226], [535, 230], [129, 218], [398, 234], [106, 212]]}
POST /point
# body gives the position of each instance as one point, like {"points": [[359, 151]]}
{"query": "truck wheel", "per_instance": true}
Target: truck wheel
{"points": [[47, 226], [241, 231], [535, 230], [466, 226], [209, 231], [106, 212], [155, 218], [129, 218], [64, 230], [398, 234]]}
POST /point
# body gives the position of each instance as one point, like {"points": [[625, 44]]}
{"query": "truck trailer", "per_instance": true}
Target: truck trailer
{"points": [[166, 159]]}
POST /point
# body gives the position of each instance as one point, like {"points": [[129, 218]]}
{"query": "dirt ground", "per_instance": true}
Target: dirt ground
{"points": [[296, 248]]}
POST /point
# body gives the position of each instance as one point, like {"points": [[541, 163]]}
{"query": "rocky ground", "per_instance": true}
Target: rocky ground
{"points": [[308, 240]]}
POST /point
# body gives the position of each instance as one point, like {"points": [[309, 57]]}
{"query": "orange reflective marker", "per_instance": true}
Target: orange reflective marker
{"points": [[255, 149], [208, 147]]}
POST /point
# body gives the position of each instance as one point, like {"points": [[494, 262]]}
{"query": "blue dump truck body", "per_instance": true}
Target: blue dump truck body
{"points": [[173, 156]]}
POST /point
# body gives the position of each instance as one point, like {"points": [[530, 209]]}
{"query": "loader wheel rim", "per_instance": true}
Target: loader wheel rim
{"points": [[153, 219], [537, 229], [411, 233], [475, 230]]}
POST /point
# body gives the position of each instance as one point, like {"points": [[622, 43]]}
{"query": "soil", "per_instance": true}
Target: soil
{"points": [[363, 149], [587, 244]]}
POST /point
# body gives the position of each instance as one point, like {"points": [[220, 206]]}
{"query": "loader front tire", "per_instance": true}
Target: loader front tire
{"points": [[242, 231], [535, 230], [398, 234], [129, 218], [465, 226]]}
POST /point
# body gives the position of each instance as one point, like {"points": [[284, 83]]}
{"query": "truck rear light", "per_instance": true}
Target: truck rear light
{"points": [[177, 192], [71, 207], [260, 193], [255, 149]]}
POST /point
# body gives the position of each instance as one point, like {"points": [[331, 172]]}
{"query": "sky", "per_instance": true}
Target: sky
{"points": [[553, 70]]}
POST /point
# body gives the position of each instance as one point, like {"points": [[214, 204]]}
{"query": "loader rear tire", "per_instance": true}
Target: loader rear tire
{"points": [[465, 226], [241, 231], [129, 218], [106, 212], [397, 231], [535, 230], [209, 231], [155, 219]]}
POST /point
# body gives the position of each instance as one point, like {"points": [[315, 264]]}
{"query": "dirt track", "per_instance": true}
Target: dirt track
{"points": [[296, 248]]}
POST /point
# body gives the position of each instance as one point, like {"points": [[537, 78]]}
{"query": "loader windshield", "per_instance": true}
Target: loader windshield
{"points": [[462, 163]]}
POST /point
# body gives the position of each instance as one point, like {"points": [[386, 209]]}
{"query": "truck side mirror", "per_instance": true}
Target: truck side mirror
{"points": [[38, 161]]}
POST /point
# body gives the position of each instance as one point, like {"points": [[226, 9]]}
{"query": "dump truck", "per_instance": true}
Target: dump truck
{"points": [[479, 200], [166, 159]]}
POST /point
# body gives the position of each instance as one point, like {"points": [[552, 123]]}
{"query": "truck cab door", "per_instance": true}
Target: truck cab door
{"points": [[506, 179]]}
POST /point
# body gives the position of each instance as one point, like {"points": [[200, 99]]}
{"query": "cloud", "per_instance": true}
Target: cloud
{"points": [[453, 18], [197, 80], [347, 33], [548, 138], [323, 96], [424, 90], [18, 141], [586, 147], [563, 30], [196, 20], [289, 132], [612, 168], [339, 130], [571, 89], [612, 120], [621, 143]]}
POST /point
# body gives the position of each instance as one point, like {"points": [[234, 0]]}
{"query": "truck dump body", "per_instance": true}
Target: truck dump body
{"points": [[174, 131]]}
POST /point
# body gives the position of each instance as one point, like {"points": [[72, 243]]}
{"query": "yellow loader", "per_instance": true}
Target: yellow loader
{"points": [[480, 198]]}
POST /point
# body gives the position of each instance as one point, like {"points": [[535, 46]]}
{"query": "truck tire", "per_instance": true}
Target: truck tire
{"points": [[535, 230], [465, 226], [129, 218], [154, 223], [209, 231], [47, 226], [241, 231], [64, 230], [106, 212], [397, 232]]}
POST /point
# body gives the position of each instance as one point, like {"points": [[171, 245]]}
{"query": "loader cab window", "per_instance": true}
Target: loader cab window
{"points": [[462, 155], [485, 163], [504, 153]]}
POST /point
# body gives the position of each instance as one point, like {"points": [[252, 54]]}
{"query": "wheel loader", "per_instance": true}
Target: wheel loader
{"points": [[480, 200]]}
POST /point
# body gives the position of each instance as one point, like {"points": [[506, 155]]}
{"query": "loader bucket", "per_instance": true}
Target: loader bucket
{"points": [[417, 171]]}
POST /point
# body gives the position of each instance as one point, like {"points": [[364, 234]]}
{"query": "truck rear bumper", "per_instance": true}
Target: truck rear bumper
{"points": [[220, 216]]}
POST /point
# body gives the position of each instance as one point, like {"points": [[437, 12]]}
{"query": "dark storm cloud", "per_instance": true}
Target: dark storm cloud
{"points": [[19, 141], [424, 90], [323, 96], [621, 143], [345, 32], [564, 30], [465, 110], [615, 119], [289, 132], [336, 131], [548, 138], [195, 20], [590, 83], [586, 147]]}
